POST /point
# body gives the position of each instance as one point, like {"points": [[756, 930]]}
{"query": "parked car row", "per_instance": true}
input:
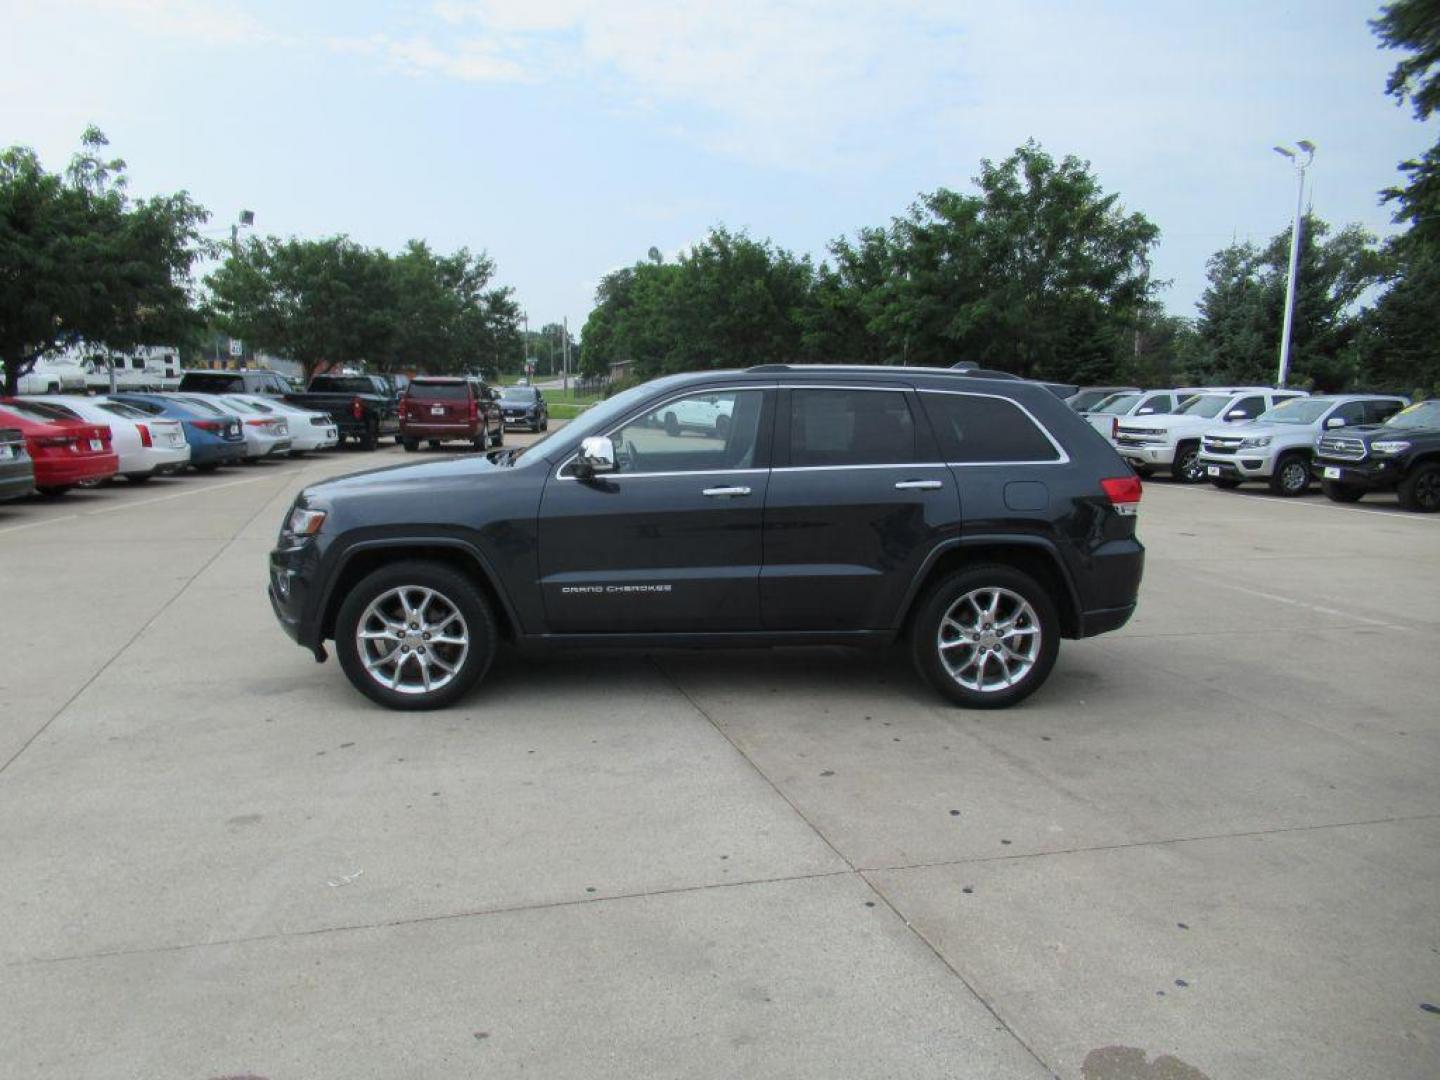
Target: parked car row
{"points": [[1351, 443], [56, 442]]}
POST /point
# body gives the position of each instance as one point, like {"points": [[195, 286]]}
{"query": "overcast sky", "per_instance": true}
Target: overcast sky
{"points": [[566, 137]]}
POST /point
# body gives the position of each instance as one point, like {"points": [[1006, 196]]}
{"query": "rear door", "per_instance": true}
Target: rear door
{"points": [[671, 540], [858, 499]]}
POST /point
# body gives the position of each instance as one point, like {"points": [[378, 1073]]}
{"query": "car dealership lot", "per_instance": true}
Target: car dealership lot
{"points": [[1213, 835]]}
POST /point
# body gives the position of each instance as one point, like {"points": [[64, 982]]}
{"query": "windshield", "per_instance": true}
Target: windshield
{"points": [[341, 384], [1423, 414], [1118, 405], [1297, 411], [519, 393], [1204, 405]]}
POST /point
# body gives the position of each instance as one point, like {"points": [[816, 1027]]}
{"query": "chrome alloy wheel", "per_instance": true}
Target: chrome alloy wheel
{"points": [[412, 640], [1295, 475], [989, 639]]}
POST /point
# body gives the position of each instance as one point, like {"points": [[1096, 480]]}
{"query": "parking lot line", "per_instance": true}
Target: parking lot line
{"points": [[1271, 500]]}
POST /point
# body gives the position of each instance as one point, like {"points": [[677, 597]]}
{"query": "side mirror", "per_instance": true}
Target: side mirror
{"points": [[597, 455], [1236, 414], [1335, 421]]}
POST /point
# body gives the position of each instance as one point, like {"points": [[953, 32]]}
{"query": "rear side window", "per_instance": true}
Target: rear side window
{"points": [[149, 408], [986, 430], [429, 391], [850, 427]]}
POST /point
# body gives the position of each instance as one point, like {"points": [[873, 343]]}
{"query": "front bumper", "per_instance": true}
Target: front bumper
{"points": [[1236, 467], [529, 420], [1149, 456], [1373, 473], [292, 570]]}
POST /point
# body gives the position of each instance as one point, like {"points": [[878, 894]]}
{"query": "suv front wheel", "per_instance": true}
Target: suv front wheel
{"points": [[987, 637], [415, 635]]}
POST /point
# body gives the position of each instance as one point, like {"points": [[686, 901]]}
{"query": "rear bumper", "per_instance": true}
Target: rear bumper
{"points": [[409, 430], [1110, 588], [16, 481], [216, 453], [82, 469]]}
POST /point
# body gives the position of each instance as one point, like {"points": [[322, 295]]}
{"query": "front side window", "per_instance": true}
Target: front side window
{"points": [[850, 427], [986, 430], [1205, 405], [1352, 412], [1249, 408], [1155, 403], [712, 430]]}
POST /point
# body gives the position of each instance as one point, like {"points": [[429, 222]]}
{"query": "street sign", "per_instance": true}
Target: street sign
{"points": [[237, 347]]}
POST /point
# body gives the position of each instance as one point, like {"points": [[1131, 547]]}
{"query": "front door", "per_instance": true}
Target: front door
{"points": [[670, 541], [858, 499]]}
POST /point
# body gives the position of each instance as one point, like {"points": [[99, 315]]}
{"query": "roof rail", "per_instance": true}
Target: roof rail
{"points": [[769, 367]]}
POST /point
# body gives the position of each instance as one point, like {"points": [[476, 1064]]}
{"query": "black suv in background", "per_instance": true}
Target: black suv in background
{"points": [[524, 406], [839, 505], [1400, 455]]}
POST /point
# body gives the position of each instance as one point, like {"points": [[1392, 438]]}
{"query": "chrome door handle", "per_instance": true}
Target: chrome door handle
{"points": [[723, 492], [919, 485]]}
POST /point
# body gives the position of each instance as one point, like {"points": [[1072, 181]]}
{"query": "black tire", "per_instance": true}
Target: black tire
{"points": [[481, 441], [1341, 493], [672, 425], [499, 439], [411, 445], [1225, 483], [1291, 476], [930, 624], [545, 424], [454, 589], [1143, 471], [1187, 468], [52, 492], [208, 467], [1420, 490], [371, 438], [434, 444], [138, 478]]}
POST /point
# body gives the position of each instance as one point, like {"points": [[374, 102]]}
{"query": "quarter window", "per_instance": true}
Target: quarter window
{"points": [[713, 430], [1377, 412], [986, 430], [850, 427]]}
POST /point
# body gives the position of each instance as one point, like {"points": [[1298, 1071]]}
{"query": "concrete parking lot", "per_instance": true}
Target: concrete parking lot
{"points": [[1208, 848]]}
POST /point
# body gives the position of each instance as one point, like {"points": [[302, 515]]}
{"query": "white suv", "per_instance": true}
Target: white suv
{"points": [[1172, 441], [1276, 446]]}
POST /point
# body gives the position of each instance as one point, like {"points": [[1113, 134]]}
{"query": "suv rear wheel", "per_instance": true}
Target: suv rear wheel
{"points": [[415, 635], [1291, 475], [1420, 491], [987, 637]]}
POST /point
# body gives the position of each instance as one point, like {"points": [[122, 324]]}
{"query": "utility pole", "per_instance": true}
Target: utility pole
{"points": [[1300, 167], [565, 350]]}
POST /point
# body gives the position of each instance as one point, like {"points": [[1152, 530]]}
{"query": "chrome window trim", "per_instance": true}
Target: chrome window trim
{"points": [[1063, 459]]}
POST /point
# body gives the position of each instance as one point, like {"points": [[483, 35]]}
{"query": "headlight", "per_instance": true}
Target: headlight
{"points": [[1390, 447], [1257, 443], [304, 522]]}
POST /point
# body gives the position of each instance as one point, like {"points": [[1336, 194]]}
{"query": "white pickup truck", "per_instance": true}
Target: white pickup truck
{"points": [[1277, 445], [1107, 414], [1171, 441]]}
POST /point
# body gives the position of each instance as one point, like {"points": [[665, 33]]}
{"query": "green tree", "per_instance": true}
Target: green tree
{"points": [[1041, 273], [1243, 308], [80, 259], [1413, 26]]}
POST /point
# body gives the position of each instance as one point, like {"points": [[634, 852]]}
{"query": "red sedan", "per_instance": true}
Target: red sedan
{"points": [[65, 451]]}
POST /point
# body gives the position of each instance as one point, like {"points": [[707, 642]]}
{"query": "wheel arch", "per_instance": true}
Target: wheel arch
{"points": [[1033, 555], [363, 558]]}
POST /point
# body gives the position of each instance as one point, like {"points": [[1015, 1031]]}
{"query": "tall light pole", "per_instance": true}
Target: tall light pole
{"points": [[1308, 149]]}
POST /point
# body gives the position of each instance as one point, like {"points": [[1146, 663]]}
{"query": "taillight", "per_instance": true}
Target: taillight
{"points": [[1124, 494], [208, 425], [144, 435], [357, 409], [474, 410], [257, 423]]}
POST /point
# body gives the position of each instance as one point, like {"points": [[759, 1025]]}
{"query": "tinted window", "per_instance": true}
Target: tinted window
{"points": [[1156, 403], [149, 408], [983, 429], [710, 430], [1251, 407], [1377, 412], [437, 391], [216, 383], [850, 427], [40, 410], [1352, 412], [341, 384], [525, 394], [129, 412]]}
